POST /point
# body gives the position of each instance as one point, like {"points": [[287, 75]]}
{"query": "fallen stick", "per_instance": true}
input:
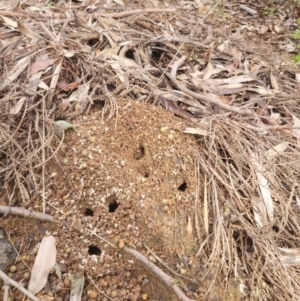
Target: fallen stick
{"points": [[169, 281], [138, 11], [249, 10], [27, 213], [17, 285]]}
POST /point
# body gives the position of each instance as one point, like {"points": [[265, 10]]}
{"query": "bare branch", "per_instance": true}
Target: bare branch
{"points": [[17, 285], [27, 213], [169, 281]]}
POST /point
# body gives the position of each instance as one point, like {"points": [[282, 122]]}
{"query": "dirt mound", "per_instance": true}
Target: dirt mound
{"points": [[131, 181]]}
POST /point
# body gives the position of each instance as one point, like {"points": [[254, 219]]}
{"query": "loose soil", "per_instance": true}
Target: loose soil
{"points": [[131, 181]]}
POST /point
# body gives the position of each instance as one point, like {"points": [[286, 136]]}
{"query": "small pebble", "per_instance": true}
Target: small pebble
{"points": [[144, 297], [26, 275], [151, 258], [150, 225], [93, 294], [128, 274], [102, 283], [145, 281], [84, 153], [113, 294], [92, 139], [170, 136], [166, 208], [13, 269], [35, 250], [121, 244], [67, 282]]}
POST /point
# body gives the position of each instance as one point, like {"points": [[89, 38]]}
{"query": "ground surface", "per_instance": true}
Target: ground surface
{"points": [[135, 179], [131, 179]]}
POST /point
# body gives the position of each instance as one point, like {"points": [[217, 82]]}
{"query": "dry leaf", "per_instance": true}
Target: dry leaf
{"points": [[18, 106], [43, 264], [274, 119], [291, 257], [58, 270], [276, 150], [77, 287], [81, 94], [263, 91], [259, 211], [41, 65], [169, 106], [120, 2], [236, 56], [264, 188], [208, 71], [296, 129], [228, 89], [33, 83], [274, 82], [196, 131], [27, 32], [15, 72], [9, 22], [54, 81]]}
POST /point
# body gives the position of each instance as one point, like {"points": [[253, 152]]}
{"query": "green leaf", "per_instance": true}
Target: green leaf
{"points": [[297, 58], [62, 125], [296, 34]]}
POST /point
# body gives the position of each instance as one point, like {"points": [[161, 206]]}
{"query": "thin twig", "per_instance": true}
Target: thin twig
{"points": [[167, 267], [169, 281], [17, 285], [139, 11], [27, 213], [51, 35], [98, 289], [92, 232], [249, 10]]}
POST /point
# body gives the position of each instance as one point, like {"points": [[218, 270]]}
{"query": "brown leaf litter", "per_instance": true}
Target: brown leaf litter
{"points": [[218, 209]]}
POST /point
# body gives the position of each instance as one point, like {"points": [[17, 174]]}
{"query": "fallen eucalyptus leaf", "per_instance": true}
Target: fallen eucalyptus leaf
{"points": [[77, 287], [57, 270], [43, 264], [196, 131], [276, 150]]}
